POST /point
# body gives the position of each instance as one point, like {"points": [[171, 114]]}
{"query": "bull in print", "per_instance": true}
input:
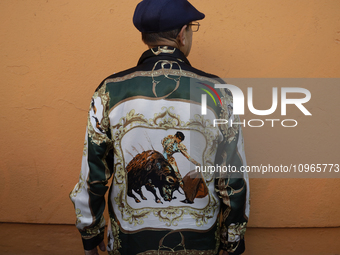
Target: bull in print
{"points": [[152, 170]]}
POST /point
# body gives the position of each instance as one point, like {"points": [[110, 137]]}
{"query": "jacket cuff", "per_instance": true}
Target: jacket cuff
{"points": [[240, 248], [91, 243]]}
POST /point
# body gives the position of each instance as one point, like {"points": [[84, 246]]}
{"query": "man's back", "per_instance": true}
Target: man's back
{"points": [[158, 202]]}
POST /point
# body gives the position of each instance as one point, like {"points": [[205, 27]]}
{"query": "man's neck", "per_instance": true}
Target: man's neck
{"points": [[164, 43]]}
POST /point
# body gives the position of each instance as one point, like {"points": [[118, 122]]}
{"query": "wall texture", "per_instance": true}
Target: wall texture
{"points": [[54, 53]]}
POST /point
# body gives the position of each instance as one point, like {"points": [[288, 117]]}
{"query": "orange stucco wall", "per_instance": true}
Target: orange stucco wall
{"points": [[53, 54]]}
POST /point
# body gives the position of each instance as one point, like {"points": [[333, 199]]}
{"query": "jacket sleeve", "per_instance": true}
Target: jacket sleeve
{"points": [[232, 187], [96, 169]]}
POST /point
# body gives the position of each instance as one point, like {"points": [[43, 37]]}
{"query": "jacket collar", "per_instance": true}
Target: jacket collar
{"points": [[163, 52]]}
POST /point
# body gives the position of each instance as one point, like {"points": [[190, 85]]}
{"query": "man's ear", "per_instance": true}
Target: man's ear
{"points": [[181, 36]]}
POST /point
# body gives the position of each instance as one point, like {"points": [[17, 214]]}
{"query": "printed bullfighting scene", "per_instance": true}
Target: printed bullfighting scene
{"points": [[157, 151], [156, 174]]}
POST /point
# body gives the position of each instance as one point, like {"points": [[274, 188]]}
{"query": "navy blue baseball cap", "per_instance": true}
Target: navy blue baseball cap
{"points": [[153, 16]]}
